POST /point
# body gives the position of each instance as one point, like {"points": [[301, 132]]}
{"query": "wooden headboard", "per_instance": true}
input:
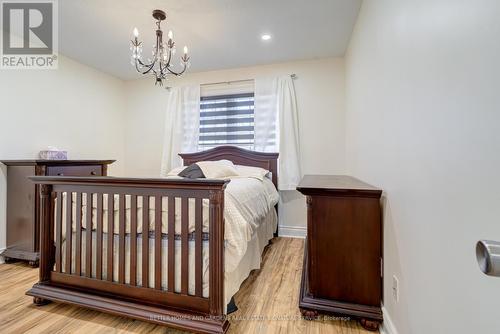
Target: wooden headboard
{"points": [[238, 156]]}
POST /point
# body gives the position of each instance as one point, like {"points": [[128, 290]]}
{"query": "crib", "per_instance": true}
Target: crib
{"points": [[178, 278]]}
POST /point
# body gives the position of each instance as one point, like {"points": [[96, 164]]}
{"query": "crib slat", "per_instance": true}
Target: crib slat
{"points": [[111, 217], [58, 231], [184, 245], [198, 246], [133, 239], [121, 240], [158, 242], [98, 271], [216, 252], [145, 241], [69, 231], [78, 256], [171, 244], [88, 239]]}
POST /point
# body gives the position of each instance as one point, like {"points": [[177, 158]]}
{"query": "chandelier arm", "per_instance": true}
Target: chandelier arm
{"points": [[166, 65], [143, 65], [178, 73], [149, 67], [169, 57], [157, 50], [138, 62], [161, 69], [137, 66]]}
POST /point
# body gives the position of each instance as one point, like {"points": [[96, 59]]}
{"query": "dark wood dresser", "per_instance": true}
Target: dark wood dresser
{"points": [[342, 271], [22, 200]]}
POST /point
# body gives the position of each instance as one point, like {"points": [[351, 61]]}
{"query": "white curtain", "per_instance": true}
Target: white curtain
{"points": [[277, 126], [266, 131], [182, 122]]}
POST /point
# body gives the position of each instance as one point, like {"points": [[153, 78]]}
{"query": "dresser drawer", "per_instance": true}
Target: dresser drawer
{"points": [[74, 171]]}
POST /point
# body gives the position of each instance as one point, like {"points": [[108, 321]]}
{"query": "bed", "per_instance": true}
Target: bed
{"points": [[177, 266]]}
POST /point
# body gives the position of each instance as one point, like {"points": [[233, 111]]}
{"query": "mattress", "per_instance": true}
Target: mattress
{"points": [[247, 202], [232, 278]]}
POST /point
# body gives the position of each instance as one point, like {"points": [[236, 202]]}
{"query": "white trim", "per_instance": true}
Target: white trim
{"points": [[387, 326], [292, 231], [2, 260]]}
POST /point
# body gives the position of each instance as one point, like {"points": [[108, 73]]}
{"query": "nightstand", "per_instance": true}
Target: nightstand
{"points": [[22, 200], [342, 270]]}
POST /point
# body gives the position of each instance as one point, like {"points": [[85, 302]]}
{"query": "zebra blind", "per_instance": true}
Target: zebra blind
{"points": [[227, 120]]}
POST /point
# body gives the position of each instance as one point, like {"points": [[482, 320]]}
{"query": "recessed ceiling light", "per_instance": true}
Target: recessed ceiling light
{"points": [[265, 37]]}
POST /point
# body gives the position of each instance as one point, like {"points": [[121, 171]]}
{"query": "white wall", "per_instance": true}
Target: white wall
{"points": [[423, 115], [320, 96], [75, 108]]}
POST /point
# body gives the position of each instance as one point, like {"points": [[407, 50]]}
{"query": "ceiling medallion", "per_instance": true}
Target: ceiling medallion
{"points": [[160, 65]]}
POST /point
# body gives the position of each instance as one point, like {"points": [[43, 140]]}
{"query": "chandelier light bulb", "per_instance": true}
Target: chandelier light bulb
{"points": [[185, 50], [170, 34], [136, 32]]}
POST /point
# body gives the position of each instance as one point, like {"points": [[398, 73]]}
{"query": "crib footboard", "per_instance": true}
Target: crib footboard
{"points": [[135, 247]]}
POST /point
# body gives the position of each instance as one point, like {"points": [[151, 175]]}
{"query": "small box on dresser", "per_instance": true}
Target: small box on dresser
{"points": [[342, 270], [23, 200]]}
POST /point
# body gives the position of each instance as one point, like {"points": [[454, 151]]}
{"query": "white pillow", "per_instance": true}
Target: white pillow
{"points": [[176, 171], [255, 172], [217, 169]]}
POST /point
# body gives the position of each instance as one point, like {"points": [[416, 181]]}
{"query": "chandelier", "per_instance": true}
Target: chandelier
{"points": [[160, 65]]}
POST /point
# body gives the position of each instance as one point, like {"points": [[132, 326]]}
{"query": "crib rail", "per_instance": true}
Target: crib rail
{"points": [[76, 253]]}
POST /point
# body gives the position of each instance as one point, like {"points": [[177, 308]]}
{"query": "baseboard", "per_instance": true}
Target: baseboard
{"points": [[387, 326], [2, 260], [292, 231]]}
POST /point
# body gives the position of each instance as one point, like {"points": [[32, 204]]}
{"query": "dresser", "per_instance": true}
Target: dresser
{"points": [[22, 200], [342, 270]]}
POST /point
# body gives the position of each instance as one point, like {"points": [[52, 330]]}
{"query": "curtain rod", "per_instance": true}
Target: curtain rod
{"points": [[293, 76]]}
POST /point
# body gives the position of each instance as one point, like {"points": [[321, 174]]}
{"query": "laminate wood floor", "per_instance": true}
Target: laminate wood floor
{"points": [[267, 301]]}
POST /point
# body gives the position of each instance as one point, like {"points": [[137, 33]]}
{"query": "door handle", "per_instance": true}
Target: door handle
{"points": [[488, 257]]}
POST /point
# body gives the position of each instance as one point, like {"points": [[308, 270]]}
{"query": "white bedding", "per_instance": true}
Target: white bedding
{"points": [[247, 201]]}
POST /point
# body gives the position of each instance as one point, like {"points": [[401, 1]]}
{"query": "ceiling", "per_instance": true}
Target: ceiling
{"points": [[219, 33]]}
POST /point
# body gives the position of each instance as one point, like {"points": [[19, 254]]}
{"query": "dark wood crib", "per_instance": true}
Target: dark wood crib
{"points": [[68, 277]]}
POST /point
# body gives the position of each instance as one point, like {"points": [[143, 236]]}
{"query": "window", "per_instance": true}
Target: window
{"points": [[227, 120]]}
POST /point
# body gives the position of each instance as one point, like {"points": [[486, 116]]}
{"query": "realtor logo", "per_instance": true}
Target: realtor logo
{"points": [[29, 38]]}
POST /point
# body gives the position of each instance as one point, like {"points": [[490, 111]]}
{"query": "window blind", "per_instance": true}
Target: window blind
{"points": [[227, 120]]}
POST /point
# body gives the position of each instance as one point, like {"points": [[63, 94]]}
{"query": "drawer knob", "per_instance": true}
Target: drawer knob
{"points": [[60, 174], [93, 173]]}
